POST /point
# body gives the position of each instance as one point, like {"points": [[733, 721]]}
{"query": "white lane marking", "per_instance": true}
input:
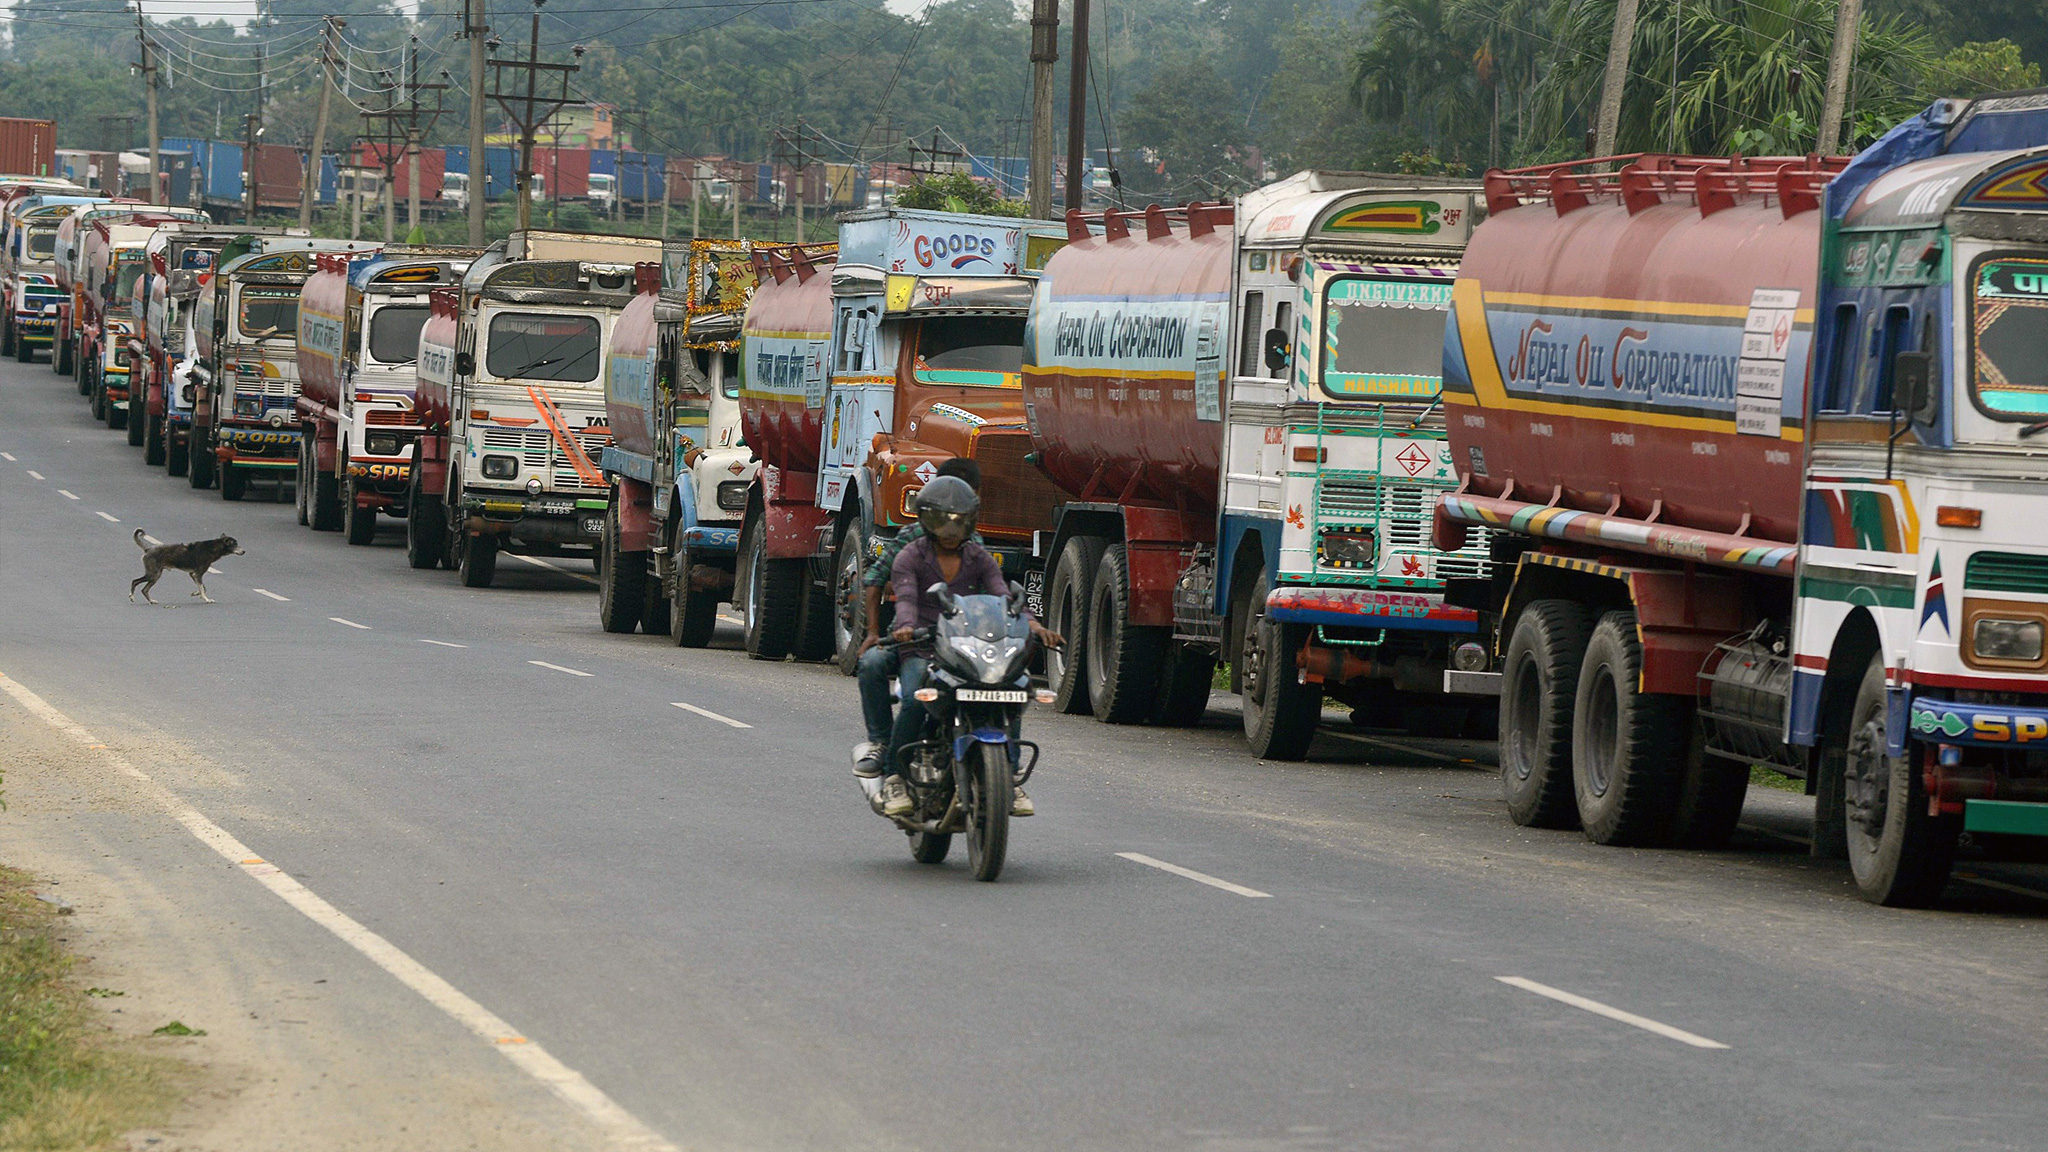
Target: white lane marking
{"points": [[117, 520], [350, 623], [708, 714], [33, 474], [67, 493], [272, 595], [541, 562], [2002, 886], [1198, 877], [442, 643], [1612, 1013], [9, 456], [557, 667], [624, 1129]]}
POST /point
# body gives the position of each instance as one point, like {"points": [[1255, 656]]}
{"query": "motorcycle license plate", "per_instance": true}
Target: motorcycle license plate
{"points": [[992, 695]]}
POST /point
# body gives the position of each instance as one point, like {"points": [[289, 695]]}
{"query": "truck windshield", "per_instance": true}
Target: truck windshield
{"points": [[42, 244], [537, 346], [395, 333], [126, 274], [1383, 338], [267, 311], [982, 350], [2009, 337]]}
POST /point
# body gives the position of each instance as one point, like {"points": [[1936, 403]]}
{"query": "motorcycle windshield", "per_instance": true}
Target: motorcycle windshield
{"points": [[982, 640], [983, 618]]}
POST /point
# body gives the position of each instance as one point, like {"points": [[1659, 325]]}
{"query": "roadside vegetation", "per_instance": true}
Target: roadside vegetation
{"points": [[64, 1083]]}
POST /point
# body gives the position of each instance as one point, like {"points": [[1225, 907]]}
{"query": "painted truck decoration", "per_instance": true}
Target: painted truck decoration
{"points": [[1758, 450], [680, 477], [1241, 406]]}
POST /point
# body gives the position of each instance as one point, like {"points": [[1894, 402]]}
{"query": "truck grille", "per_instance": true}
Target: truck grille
{"points": [[1015, 496], [536, 450], [1404, 514], [2006, 572]]}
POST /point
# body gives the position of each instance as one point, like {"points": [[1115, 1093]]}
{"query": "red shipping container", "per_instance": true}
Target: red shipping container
{"points": [[279, 175], [27, 147], [433, 168], [564, 172]]}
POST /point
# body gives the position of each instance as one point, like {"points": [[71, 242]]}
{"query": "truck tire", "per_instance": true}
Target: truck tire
{"points": [[479, 561], [7, 336], [655, 610], [301, 479], [64, 361], [771, 597], [26, 352], [178, 457], [153, 442], [622, 579], [426, 527], [116, 416], [323, 503], [201, 469], [849, 620], [1280, 712], [1185, 676], [817, 614], [693, 615], [1628, 746], [1123, 658], [95, 396], [1539, 682], [1899, 855], [358, 524], [138, 413], [234, 482], [1066, 612], [1710, 794]]}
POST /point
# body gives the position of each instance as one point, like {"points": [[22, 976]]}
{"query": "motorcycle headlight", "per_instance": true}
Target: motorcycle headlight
{"points": [[251, 406], [2018, 640], [501, 467], [382, 443]]}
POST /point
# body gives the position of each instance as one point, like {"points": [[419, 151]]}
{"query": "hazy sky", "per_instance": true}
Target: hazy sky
{"points": [[237, 11]]}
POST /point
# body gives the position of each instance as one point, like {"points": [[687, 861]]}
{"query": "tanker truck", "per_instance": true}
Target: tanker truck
{"points": [[359, 341], [511, 396], [1754, 441], [112, 257], [679, 476], [866, 365], [1241, 406]]}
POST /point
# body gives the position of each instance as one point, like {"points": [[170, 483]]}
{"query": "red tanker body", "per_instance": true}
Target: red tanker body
{"points": [[431, 395], [788, 330]]}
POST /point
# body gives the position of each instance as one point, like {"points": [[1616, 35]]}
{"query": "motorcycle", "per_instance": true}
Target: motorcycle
{"points": [[962, 773]]}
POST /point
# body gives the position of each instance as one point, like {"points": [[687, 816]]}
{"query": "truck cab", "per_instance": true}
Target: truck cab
{"points": [[28, 273], [177, 260]]}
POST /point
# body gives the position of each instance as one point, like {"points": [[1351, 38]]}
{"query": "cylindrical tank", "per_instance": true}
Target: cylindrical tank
{"points": [[1638, 344], [432, 402], [1123, 366], [785, 361], [323, 324], [629, 368]]}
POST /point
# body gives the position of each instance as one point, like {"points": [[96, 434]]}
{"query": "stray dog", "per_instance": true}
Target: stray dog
{"points": [[192, 559]]}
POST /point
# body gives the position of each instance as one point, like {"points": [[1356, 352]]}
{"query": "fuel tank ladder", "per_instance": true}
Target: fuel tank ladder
{"points": [[558, 426]]}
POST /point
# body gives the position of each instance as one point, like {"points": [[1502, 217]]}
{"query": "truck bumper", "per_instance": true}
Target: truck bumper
{"points": [[1368, 608], [712, 538], [536, 521], [257, 447], [38, 330]]}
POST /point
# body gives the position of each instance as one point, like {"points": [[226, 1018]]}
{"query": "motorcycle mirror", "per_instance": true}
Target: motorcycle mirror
{"points": [[1016, 597], [943, 595]]}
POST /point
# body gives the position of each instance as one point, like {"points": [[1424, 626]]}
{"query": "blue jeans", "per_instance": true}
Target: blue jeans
{"points": [[877, 668], [910, 717]]}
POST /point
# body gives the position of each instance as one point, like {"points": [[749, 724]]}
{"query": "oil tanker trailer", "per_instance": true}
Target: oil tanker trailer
{"points": [[1754, 437]]}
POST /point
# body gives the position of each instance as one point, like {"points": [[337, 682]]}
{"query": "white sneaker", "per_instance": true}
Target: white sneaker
{"points": [[1020, 804], [867, 760], [895, 797]]}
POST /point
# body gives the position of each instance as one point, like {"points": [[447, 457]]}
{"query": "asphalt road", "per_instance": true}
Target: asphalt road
{"points": [[701, 917]]}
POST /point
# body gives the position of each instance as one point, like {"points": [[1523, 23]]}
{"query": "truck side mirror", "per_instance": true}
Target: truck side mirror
{"points": [[465, 363], [1913, 386], [1276, 349]]}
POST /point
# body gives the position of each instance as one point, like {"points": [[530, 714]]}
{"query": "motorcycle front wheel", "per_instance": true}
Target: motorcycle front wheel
{"points": [[988, 809]]}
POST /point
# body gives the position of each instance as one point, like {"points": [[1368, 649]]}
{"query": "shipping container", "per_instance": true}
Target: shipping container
{"points": [[566, 171], [27, 147], [433, 162]]}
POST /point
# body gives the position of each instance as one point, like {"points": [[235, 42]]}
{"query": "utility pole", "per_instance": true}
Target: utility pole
{"points": [[1618, 48], [479, 166], [1077, 105], [794, 151], [1848, 21], [1045, 52], [148, 69], [412, 144], [252, 130], [330, 54], [405, 125], [525, 110]]}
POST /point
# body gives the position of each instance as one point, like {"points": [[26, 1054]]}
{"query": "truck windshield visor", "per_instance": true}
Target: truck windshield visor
{"points": [[2009, 337], [395, 333], [536, 346], [1383, 338], [267, 312], [984, 351], [42, 243]]}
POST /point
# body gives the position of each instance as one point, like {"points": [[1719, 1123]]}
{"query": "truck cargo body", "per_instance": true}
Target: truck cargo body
{"points": [[867, 364], [512, 397], [1801, 523], [1240, 403], [680, 478], [358, 343]]}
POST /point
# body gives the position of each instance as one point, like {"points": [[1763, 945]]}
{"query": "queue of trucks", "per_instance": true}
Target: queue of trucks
{"points": [[1667, 468]]}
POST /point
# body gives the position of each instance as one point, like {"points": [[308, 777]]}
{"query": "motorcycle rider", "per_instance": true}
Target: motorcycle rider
{"points": [[946, 553]]}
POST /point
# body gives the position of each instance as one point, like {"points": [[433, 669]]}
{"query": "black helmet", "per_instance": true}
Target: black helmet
{"points": [[947, 508]]}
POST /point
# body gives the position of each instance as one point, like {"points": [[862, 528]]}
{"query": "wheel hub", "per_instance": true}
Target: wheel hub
{"points": [[1867, 779]]}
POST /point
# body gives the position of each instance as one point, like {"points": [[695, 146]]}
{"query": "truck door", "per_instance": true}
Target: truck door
{"points": [[849, 425]]}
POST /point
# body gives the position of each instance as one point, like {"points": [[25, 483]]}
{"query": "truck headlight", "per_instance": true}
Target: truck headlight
{"points": [[732, 495], [2016, 640], [501, 467], [1348, 549], [383, 443], [250, 406]]}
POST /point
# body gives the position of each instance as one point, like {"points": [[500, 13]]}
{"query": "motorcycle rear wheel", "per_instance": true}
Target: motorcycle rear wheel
{"points": [[988, 810]]}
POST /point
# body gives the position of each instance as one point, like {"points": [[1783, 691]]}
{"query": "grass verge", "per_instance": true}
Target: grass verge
{"points": [[1763, 777], [64, 1082]]}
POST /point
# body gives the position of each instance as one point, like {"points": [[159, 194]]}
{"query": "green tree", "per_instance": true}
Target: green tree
{"points": [[1175, 146], [1976, 68], [958, 193]]}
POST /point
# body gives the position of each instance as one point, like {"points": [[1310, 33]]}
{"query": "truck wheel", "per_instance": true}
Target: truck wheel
{"points": [[1185, 677], [1628, 746], [1123, 658], [849, 621], [1066, 612], [771, 596], [693, 616], [138, 412], [1539, 681], [323, 503], [621, 579], [178, 457], [6, 337], [1899, 855], [426, 527], [95, 396], [1710, 794], [301, 479], [234, 482], [358, 523], [479, 561], [816, 615], [116, 415], [655, 609], [25, 351], [153, 442], [63, 361], [1280, 712]]}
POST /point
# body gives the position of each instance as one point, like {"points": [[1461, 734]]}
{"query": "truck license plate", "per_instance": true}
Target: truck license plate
{"points": [[991, 695], [1034, 593]]}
